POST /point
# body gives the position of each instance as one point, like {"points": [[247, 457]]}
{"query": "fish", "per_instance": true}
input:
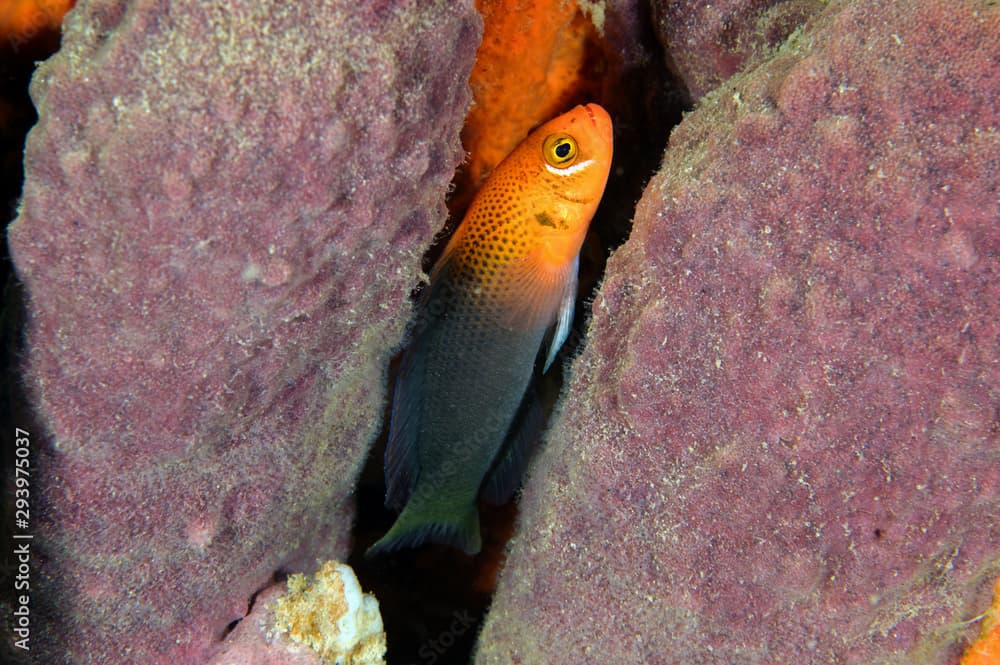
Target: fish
{"points": [[497, 308]]}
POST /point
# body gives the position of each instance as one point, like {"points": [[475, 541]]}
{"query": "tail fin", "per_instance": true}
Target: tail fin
{"points": [[416, 527]]}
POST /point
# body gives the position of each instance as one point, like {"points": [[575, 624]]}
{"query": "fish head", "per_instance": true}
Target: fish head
{"points": [[569, 158]]}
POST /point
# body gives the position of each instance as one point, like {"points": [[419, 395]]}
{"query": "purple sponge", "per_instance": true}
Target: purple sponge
{"points": [[225, 210], [707, 41], [782, 442]]}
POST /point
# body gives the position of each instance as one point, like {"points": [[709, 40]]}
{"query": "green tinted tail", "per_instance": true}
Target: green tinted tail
{"points": [[414, 527]]}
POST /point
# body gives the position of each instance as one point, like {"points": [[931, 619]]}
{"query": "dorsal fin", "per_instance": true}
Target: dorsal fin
{"points": [[401, 466], [401, 462]]}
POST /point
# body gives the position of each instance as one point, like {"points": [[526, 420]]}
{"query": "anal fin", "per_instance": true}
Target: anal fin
{"points": [[508, 468]]}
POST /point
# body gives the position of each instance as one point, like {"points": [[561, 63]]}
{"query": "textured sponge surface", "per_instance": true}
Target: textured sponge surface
{"points": [[781, 443], [224, 212]]}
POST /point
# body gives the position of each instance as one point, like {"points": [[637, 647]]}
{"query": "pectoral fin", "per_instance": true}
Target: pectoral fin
{"points": [[567, 303]]}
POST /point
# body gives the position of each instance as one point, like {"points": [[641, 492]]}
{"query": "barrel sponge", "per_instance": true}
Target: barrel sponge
{"points": [[780, 444], [224, 212]]}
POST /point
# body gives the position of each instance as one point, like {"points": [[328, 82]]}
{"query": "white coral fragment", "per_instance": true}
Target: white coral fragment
{"points": [[332, 616]]}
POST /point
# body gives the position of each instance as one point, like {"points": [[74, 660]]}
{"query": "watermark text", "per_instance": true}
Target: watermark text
{"points": [[21, 619]]}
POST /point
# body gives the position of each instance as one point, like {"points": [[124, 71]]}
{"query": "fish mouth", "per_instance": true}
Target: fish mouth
{"points": [[599, 118]]}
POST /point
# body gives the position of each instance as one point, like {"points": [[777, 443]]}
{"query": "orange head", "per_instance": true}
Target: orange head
{"points": [[544, 193], [517, 245]]}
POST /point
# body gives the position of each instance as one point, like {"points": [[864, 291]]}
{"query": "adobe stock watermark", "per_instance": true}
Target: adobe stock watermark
{"points": [[21, 612], [431, 650]]}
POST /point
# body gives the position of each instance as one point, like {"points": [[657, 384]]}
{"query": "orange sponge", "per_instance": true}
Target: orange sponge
{"points": [[22, 19], [537, 58], [986, 650]]}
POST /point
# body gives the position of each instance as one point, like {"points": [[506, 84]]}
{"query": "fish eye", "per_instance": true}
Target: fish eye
{"points": [[559, 149]]}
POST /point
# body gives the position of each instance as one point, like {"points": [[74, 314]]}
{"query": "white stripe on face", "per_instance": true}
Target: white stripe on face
{"points": [[569, 170]]}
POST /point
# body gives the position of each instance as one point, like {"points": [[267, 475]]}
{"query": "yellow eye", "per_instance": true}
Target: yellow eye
{"points": [[559, 149]]}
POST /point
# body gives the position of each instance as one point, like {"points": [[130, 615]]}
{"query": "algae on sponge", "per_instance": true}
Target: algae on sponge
{"points": [[332, 616]]}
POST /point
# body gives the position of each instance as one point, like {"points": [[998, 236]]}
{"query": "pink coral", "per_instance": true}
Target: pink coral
{"points": [[781, 442], [223, 215]]}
